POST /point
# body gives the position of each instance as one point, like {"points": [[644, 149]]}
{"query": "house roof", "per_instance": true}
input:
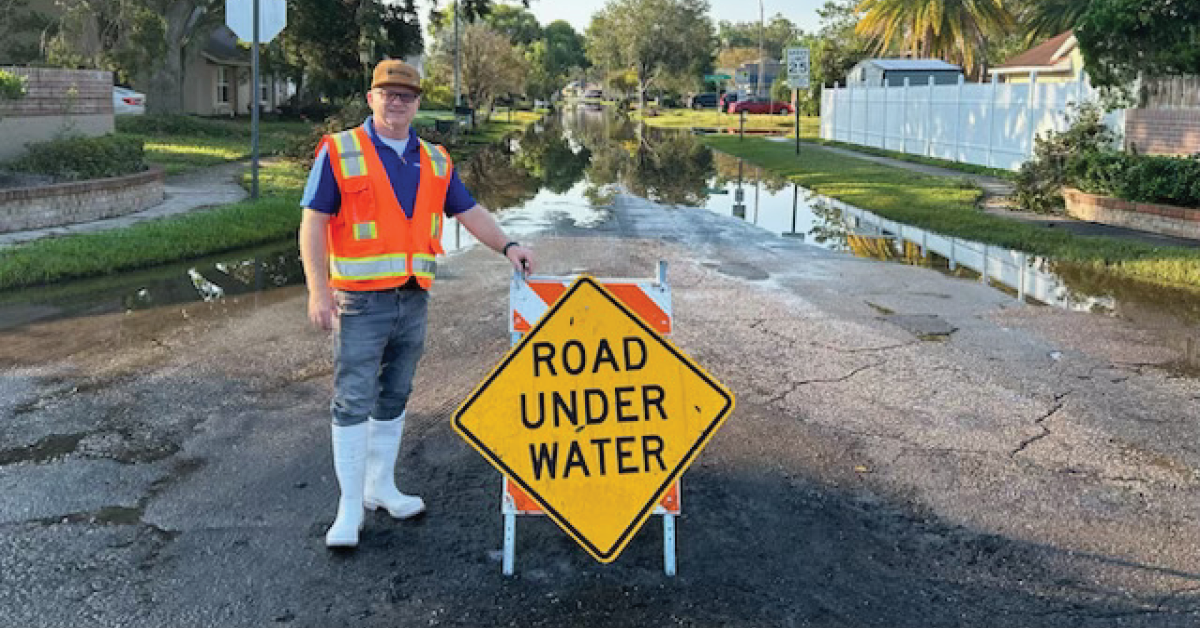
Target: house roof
{"points": [[222, 48], [1049, 53], [912, 64]]}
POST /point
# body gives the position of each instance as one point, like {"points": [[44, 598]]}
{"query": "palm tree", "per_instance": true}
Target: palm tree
{"points": [[954, 30], [1041, 19]]}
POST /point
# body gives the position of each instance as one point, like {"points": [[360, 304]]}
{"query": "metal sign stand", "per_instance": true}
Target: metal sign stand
{"points": [[530, 297]]}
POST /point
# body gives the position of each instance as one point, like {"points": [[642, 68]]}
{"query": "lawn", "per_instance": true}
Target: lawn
{"points": [[947, 206], [711, 118]]}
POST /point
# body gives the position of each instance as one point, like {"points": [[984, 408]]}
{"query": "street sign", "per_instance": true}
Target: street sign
{"points": [[594, 416], [797, 67], [272, 17], [717, 77]]}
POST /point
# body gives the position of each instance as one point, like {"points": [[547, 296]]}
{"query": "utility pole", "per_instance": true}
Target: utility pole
{"points": [[457, 63], [761, 62]]}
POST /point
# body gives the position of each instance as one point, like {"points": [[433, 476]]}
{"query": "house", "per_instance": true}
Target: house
{"points": [[1056, 60], [218, 80], [892, 72], [745, 78]]}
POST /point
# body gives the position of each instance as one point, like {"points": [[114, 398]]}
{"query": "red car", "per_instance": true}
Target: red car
{"points": [[758, 104]]}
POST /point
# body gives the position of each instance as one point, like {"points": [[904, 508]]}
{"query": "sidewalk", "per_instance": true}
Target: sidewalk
{"points": [[207, 187], [996, 201]]}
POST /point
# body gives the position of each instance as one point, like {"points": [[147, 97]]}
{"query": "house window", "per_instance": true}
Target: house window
{"points": [[263, 93], [222, 85]]}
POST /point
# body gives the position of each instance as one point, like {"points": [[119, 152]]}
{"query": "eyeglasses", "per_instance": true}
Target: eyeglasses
{"points": [[391, 97]]}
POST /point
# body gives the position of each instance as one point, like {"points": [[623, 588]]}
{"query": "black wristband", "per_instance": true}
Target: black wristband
{"points": [[504, 251]]}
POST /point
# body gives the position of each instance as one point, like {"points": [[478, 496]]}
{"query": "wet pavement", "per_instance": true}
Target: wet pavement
{"points": [[910, 447]]}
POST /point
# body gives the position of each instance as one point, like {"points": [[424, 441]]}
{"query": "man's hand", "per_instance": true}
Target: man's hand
{"points": [[521, 258], [321, 309]]}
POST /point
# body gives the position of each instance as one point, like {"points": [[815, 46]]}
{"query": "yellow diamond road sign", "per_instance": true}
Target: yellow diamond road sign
{"points": [[594, 415]]}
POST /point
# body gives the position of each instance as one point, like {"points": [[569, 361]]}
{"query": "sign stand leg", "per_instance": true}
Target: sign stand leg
{"points": [[510, 542], [669, 544]]}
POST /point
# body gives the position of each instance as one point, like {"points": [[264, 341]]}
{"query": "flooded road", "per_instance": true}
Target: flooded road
{"points": [[564, 172]]}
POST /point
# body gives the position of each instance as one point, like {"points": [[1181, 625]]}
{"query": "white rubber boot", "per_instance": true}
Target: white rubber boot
{"points": [[350, 465], [382, 447]]}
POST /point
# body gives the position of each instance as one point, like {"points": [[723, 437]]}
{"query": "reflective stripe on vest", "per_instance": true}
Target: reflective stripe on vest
{"points": [[360, 268], [424, 265], [352, 161], [436, 158]]}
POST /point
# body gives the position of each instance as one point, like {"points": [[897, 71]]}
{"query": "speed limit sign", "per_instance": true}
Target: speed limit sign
{"points": [[797, 68]]}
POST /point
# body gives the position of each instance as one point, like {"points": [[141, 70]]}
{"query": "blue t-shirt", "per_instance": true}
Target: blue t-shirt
{"points": [[321, 192]]}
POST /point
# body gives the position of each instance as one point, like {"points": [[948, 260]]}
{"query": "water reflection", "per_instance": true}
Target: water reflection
{"points": [[565, 172], [789, 210]]}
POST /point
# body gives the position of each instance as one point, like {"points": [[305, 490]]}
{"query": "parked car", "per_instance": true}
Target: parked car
{"points": [[760, 104], [593, 94], [128, 102], [728, 98], [703, 100]]}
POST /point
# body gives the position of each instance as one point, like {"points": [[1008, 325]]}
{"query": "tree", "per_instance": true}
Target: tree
{"points": [[552, 58], [491, 65], [324, 41], [654, 37], [1042, 19], [776, 35], [953, 30], [1122, 39]]}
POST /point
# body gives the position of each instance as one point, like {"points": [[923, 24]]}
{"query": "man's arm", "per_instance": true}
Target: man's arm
{"points": [[314, 253], [478, 220]]}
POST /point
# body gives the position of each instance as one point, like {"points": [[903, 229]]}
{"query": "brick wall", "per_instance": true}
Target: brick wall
{"points": [[58, 92], [1165, 219], [82, 201], [56, 102], [1163, 131]]}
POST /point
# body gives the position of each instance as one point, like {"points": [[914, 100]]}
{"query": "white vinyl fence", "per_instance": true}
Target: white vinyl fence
{"points": [[989, 124]]}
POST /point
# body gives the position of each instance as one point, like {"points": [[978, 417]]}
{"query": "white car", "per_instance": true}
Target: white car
{"points": [[128, 102]]}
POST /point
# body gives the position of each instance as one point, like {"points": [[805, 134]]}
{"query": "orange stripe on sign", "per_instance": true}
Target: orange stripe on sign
{"points": [[635, 299], [549, 292], [519, 322], [523, 503]]}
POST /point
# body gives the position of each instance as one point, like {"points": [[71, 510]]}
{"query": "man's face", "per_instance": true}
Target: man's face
{"points": [[393, 106]]}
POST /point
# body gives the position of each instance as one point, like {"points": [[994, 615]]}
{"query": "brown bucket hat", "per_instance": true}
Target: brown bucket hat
{"points": [[396, 73]]}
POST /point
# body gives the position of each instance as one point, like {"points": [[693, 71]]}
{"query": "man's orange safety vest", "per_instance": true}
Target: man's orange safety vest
{"points": [[372, 244]]}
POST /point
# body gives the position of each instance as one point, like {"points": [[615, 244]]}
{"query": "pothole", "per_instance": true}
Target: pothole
{"points": [[927, 327], [48, 448]]}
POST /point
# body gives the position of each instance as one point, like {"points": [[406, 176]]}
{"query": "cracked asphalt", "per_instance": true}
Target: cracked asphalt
{"points": [[908, 449]]}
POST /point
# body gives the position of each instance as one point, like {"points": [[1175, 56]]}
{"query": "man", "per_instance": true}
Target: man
{"points": [[372, 227]]}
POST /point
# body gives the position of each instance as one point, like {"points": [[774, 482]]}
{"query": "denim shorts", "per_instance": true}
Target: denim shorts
{"points": [[378, 338]]}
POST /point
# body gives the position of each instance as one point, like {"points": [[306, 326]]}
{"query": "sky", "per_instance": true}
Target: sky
{"points": [[579, 12]]}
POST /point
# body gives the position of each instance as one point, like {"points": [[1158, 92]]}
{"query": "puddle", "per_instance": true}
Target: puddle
{"points": [[46, 449]]}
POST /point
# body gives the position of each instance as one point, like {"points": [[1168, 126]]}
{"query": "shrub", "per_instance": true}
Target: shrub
{"points": [[435, 96], [350, 113], [1099, 172], [1040, 180], [12, 87], [77, 158], [1168, 180], [177, 124]]}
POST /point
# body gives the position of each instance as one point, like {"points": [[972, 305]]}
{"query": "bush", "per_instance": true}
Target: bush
{"points": [[12, 87], [177, 124], [435, 96], [1040, 180], [78, 158], [1167, 180], [350, 113]]}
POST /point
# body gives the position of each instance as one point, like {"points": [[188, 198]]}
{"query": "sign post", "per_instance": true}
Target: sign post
{"points": [[257, 21], [798, 78], [592, 414]]}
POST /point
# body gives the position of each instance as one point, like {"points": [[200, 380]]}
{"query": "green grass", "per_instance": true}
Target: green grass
{"points": [[711, 118], [274, 216], [999, 173], [946, 206], [213, 142]]}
